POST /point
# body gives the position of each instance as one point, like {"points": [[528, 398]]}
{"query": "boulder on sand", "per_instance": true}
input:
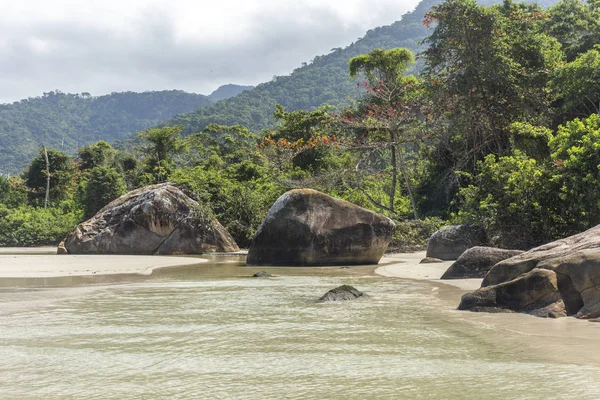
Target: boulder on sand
{"points": [[307, 227], [158, 219], [576, 262], [451, 241], [535, 292], [477, 261], [341, 293]]}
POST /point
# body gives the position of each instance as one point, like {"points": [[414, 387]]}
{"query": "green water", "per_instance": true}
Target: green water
{"points": [[210, 332]]}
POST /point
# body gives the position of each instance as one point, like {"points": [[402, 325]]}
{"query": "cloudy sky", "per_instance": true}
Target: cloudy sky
{"points": [[100, 46]]}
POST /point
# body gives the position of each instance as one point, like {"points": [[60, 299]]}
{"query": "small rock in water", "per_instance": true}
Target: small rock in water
{"points": [[430, 260], [262, 274], [344, 292]]}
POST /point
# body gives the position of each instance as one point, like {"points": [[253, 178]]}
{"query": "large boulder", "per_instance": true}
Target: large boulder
{"points": [[451, 241], [158, 219], [535, 292], [576, 262], [307, 227], [477, 261]]}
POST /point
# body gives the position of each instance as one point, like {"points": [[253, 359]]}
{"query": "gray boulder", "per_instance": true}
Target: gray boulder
{"points": [[451, 241], [158, 219], [341, 293], [307, 227], [576, 262], [477, 261], [535, 292]]}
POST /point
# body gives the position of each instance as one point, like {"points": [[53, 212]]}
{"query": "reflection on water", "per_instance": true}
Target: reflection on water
{"points": [[210, 332]]}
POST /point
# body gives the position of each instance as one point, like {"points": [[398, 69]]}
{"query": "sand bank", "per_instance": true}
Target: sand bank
{"points": [[406, 265], [49, 266]]}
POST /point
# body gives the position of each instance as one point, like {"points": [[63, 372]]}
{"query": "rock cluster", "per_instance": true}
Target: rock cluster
{"points": [[570, 269]]}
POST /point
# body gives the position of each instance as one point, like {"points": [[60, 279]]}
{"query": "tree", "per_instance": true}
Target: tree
{"points": [[485, 68], [62, 175], [577, 86], [104, 184], [160, 145], [96, 155], [388, 115]]}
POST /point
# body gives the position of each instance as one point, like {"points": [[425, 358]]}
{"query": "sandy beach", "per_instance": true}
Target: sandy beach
{"points": [[34, 265]]}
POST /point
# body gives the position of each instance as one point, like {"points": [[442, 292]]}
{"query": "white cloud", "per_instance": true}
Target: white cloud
{"points": [[116, 45]]}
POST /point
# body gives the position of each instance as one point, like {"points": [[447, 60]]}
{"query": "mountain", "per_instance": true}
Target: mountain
{"points": [[227, 91], [69, 121], [322, 81]]}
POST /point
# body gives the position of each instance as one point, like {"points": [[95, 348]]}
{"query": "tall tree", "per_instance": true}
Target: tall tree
{"points": [[388, 114]]}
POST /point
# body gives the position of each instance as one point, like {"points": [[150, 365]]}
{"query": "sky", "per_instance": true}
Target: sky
{"points": [[103, 46]]}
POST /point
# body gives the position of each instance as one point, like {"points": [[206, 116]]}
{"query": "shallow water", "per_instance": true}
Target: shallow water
{"points": [[211, 332]]}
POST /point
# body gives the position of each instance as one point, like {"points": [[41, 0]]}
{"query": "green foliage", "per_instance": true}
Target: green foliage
{"points": [[382, 65], [104, 184], [576, 161], [99, 154], [32, 226], [577, 86], [509, 197], [159, 147], [62, 176]]}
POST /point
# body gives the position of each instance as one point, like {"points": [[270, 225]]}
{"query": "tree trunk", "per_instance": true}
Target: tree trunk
{"points": [[47, 198], [394, 173], [408, 186]]}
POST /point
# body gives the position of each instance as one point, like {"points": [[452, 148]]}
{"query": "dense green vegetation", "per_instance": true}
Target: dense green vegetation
{"points": [[69, 121], [501, 127]]}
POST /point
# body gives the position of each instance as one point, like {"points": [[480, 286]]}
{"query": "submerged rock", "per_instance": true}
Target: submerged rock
{"points": [[158, 219], [262, 274], [451, 241], [535, 292], [307, 227], [477, 261], [341, 293], [575, 261], [430, 260]]}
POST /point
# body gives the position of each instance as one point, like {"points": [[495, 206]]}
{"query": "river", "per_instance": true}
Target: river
{"points": [[212, 332]]}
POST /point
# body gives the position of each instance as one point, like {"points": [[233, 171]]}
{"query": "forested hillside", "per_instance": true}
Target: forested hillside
{"points": [[68, 121], [322, 81]]}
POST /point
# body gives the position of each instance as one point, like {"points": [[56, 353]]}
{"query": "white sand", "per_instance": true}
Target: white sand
{"points": [[47, 266], [406, 265]]}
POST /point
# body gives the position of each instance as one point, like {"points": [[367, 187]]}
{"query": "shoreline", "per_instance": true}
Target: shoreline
{"points": [[35, 266], [565, 339]]}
